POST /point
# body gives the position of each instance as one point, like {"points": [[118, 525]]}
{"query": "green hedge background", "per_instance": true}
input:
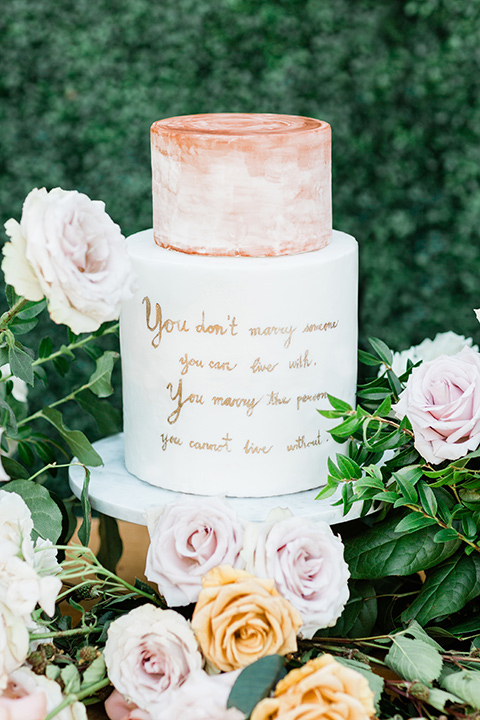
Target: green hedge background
{"points": [[399, 82]]}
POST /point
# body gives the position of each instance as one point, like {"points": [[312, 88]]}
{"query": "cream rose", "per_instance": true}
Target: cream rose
{"points": [[30, 693], [442, 402], [16, 527], [67, 249], [21, 588], [447, 343], [149, 652], [187, 539], [13, 643], [320, 688], [202, 697], [305, 559], [239, 618]]}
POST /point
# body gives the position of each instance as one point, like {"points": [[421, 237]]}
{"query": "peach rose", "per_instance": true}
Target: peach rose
{"points": [[67, 249], [322, 688], [239, 618], [442, 402]]}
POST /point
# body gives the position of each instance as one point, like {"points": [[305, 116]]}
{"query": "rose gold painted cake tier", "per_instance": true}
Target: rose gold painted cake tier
{"points": [[240, 184]]}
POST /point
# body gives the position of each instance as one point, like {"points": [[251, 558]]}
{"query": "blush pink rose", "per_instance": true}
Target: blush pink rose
{"points": [[442, 402], [202, 697], [117, 708], [17, 704], [67, 249], [305, 560], [187, 539], [149, 652], [33, 694]]}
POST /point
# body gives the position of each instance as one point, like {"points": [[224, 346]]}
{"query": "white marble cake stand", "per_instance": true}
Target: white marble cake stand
{"points": [[115, 492]]}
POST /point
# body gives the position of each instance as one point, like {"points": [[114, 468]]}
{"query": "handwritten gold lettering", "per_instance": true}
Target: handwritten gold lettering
{"points": [[215, 447], [302, 444], [217, 365], [189, 362], [274, 399], [310, 398], [274, 330], [249, 403], [256, 449], [169, 440], [258, 367], [217, 329], [331, 325], [160, 325], [178, 396], [301, 362]]}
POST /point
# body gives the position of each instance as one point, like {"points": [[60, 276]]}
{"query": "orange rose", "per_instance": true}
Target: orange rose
{"points": [[321, 689], [239, 618]]}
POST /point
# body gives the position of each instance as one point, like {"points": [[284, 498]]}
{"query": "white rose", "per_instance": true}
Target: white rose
{"points": [[19, 389], [187, 539], [442, 402], [13, 643], [477, 313], [3, 475], [447, 343], [305, 560], [69, 250], [21, 588], [202, 697], [24, 685], [16, 527], [148, 653]]}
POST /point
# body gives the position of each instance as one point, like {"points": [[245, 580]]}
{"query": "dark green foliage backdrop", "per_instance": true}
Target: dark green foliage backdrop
{"points": [[399, 82]]}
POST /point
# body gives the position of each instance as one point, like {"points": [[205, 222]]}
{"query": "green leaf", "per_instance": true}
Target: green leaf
{"points": [[10, 420], [100, 381], [339, 404], [61, 365], [46, 515], [359, 615], [417, 632], [414, 522], [380, 550], [95, 672], [45, 348], [447, 589], [25, 453], [52, 671], [256, 682], [71, 679], [76, 440], [14, 469], [111, 546], [446, 534], [368, 359], [348, 467], [376, 682], [107, 417], [427, 498], [465, 684], [438, 698], [21, 363], [385, 406], [382, 350], [85, 527], [414, 659]]}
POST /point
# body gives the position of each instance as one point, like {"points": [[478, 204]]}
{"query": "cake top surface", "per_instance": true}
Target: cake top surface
{"points": [[238, 124]]}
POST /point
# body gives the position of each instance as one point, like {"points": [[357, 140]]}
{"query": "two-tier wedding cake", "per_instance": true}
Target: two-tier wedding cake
{"points": [[245, 316]]}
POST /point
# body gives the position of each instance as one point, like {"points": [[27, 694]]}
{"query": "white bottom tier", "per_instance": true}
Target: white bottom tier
{"points": [[225, 362]]}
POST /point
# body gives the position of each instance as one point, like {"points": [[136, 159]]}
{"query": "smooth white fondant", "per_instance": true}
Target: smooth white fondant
{"points": [[115, 492], [221, 393]]}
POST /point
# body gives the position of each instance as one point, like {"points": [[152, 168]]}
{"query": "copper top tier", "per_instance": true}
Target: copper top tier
{"points": [[241, 184]]}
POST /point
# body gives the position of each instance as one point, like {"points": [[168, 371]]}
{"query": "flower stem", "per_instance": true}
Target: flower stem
{"points": [[72, 698], [8, 316], [65, 633], [74, 345]]}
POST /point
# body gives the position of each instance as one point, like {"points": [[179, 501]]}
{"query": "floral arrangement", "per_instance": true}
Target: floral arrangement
{"points": [[281, 620]]}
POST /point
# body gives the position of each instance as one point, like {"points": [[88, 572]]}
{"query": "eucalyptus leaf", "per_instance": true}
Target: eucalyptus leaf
{"points": [[447, 589], [76, 440], [380, 550], [414, 659], [46, 515], [255, 682]]}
